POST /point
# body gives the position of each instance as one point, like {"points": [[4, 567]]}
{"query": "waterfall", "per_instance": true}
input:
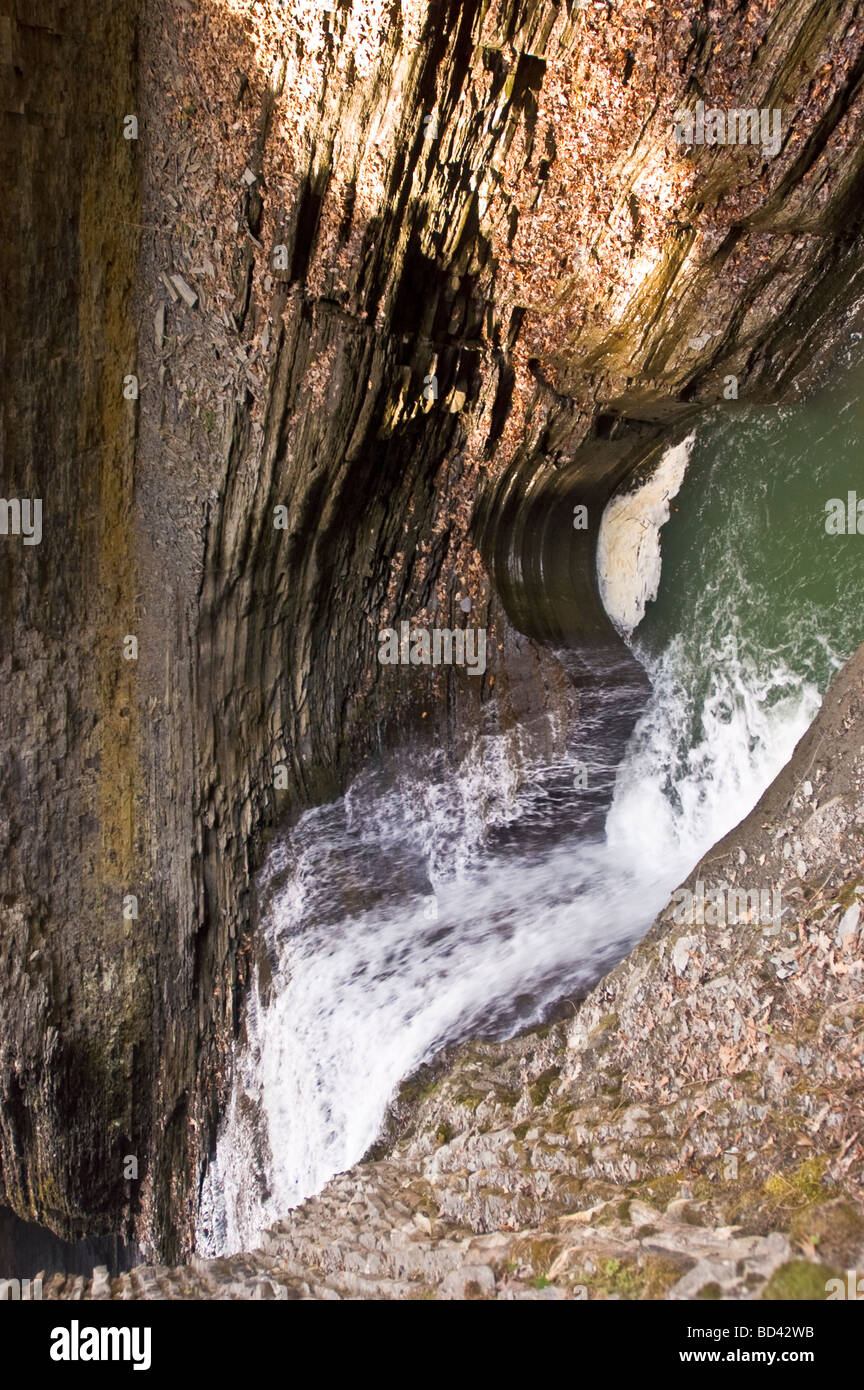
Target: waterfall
{"points": [[418, 910]]}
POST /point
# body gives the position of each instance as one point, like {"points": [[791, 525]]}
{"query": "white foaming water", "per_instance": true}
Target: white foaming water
{"points": [[394, 924], [628, 546], [695, 767], [393, 931]]}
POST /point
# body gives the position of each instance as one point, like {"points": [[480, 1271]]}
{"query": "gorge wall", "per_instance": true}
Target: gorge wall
{"points": [[355, 199]]}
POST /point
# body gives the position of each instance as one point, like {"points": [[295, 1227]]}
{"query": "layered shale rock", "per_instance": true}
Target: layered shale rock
{"points": [[322, 210], [75, 977]]}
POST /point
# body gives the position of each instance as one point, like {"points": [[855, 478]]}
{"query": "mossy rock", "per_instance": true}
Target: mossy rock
{"points": [[470, 1099], [846, 897], [835, 1228], [647, 1279], [606, 1025], [508, 1099], [559, 1124], [539, 1254], [801, 1186], [799, 1281], [539, 1092]]}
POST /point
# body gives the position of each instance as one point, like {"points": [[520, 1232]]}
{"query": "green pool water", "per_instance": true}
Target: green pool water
{"points": [[757, 607]]}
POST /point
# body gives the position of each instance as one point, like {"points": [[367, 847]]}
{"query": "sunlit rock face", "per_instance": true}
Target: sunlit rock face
{"points": [[445, 276]]}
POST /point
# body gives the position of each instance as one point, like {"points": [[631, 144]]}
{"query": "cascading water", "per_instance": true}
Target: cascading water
{"points": [[427, 906]]}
